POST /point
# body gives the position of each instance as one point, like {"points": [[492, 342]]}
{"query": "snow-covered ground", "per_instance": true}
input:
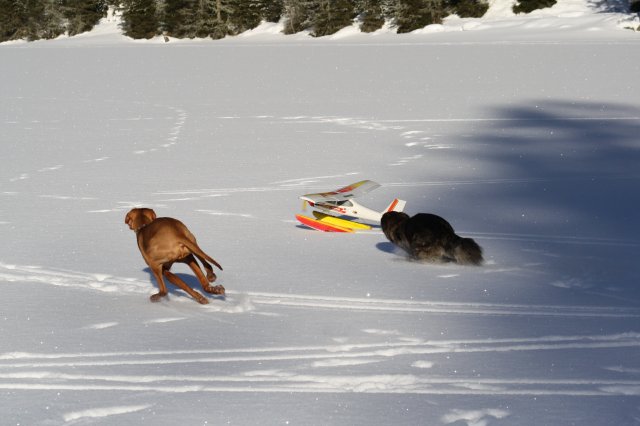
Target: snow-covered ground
{"points": [[524, 132]]}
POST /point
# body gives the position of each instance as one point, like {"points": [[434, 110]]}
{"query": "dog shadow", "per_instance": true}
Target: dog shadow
{"points": [[190, 280], [386, 247]]}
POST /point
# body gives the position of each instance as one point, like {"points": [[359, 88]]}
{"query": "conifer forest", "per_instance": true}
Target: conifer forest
{"points": [[144, 19]]}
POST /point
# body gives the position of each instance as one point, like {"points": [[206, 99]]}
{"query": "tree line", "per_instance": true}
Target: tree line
{"points": [[219, 18], [46, 19]]}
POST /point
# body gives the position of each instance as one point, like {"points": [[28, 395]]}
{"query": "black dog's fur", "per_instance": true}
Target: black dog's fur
{"points": [[430, 238]]}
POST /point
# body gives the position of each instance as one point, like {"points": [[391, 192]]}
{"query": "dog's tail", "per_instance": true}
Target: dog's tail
{"points": [[195, 249], [467, 252]]}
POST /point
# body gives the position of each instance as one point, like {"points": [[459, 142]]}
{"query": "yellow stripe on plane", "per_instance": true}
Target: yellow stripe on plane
{"points": [[340, 222]]}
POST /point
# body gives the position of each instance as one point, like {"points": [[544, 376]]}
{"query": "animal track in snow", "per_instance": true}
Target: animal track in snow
{"points": [[422, 364], [404, 160], [236, 303], [174, 134], [78, 372], [22, 176], [344, 362], [382, 332], [415, 306], [66, 197], [220, 213], [355, 123], [421, 141], [82, 371], [285, 185], [243, 302], [96, 160], [571, 283], [50, 169], [311, 180], [164, 320], [95, 413], [101, 326], [428, 146], [179, 119], [474, 417]]}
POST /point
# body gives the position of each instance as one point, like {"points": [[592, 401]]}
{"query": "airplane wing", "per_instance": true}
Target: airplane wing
{"points": [[350, 191]]}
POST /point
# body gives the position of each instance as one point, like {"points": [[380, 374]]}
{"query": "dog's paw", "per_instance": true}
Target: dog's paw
{"points": [[157, 297], [211, 276], [219, 290], [202, 300]]}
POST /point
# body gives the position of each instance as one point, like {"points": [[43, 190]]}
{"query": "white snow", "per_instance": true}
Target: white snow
{"points": [[522, 131]]}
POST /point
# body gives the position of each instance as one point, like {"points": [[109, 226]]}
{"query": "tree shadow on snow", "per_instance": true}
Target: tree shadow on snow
{"points": [[561, 177], [609, 6]]}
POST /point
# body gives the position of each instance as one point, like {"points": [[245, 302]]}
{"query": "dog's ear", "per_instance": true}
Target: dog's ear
{"points": [[129, 218], [149, 214]]}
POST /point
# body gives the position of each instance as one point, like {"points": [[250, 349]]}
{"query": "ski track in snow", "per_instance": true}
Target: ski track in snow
{"points": [[308, 370], [95, 413], [474, 417], [314, 369], [247, 301], [417, 138]]}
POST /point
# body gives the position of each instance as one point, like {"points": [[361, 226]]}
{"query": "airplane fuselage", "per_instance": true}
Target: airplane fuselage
{"points": [[348, 208]]}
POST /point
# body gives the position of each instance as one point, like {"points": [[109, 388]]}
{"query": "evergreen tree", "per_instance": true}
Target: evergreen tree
{"points": [[82, 15], [170, 16], [411, 15], [468, 8], [243, 15], [222, 10], [371, 14], [177, 18], [33, 19], [52, 23], [11, 19], [331, 16], [528, 6], [139, 18], [208, 19], [21, 19], [271, 10], [194, 18], [297, 15]]}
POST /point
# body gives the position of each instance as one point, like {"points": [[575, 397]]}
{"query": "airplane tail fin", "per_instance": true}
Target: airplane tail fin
{"points": [[395, 206]]}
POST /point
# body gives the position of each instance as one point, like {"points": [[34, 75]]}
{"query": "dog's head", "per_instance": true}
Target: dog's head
{"points": [[137, 218], [391, 222]]}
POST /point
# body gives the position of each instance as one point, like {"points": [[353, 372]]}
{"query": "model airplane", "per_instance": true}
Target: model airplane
{"points": [[341, 203]]}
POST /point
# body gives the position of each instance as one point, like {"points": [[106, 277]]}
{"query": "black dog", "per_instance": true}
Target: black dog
{"points": [[430, 238]]}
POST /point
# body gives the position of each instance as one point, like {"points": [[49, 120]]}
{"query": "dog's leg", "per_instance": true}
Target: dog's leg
{"points": [[177, 281], [431, 254], [191, 261], [211, 276], [162, 287]]}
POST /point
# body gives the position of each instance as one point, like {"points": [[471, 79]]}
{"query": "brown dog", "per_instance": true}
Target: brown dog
{"points": [[164, 241]]}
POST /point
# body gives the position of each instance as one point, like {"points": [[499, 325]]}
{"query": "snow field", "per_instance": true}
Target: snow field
{"points": [[526, 140]]}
